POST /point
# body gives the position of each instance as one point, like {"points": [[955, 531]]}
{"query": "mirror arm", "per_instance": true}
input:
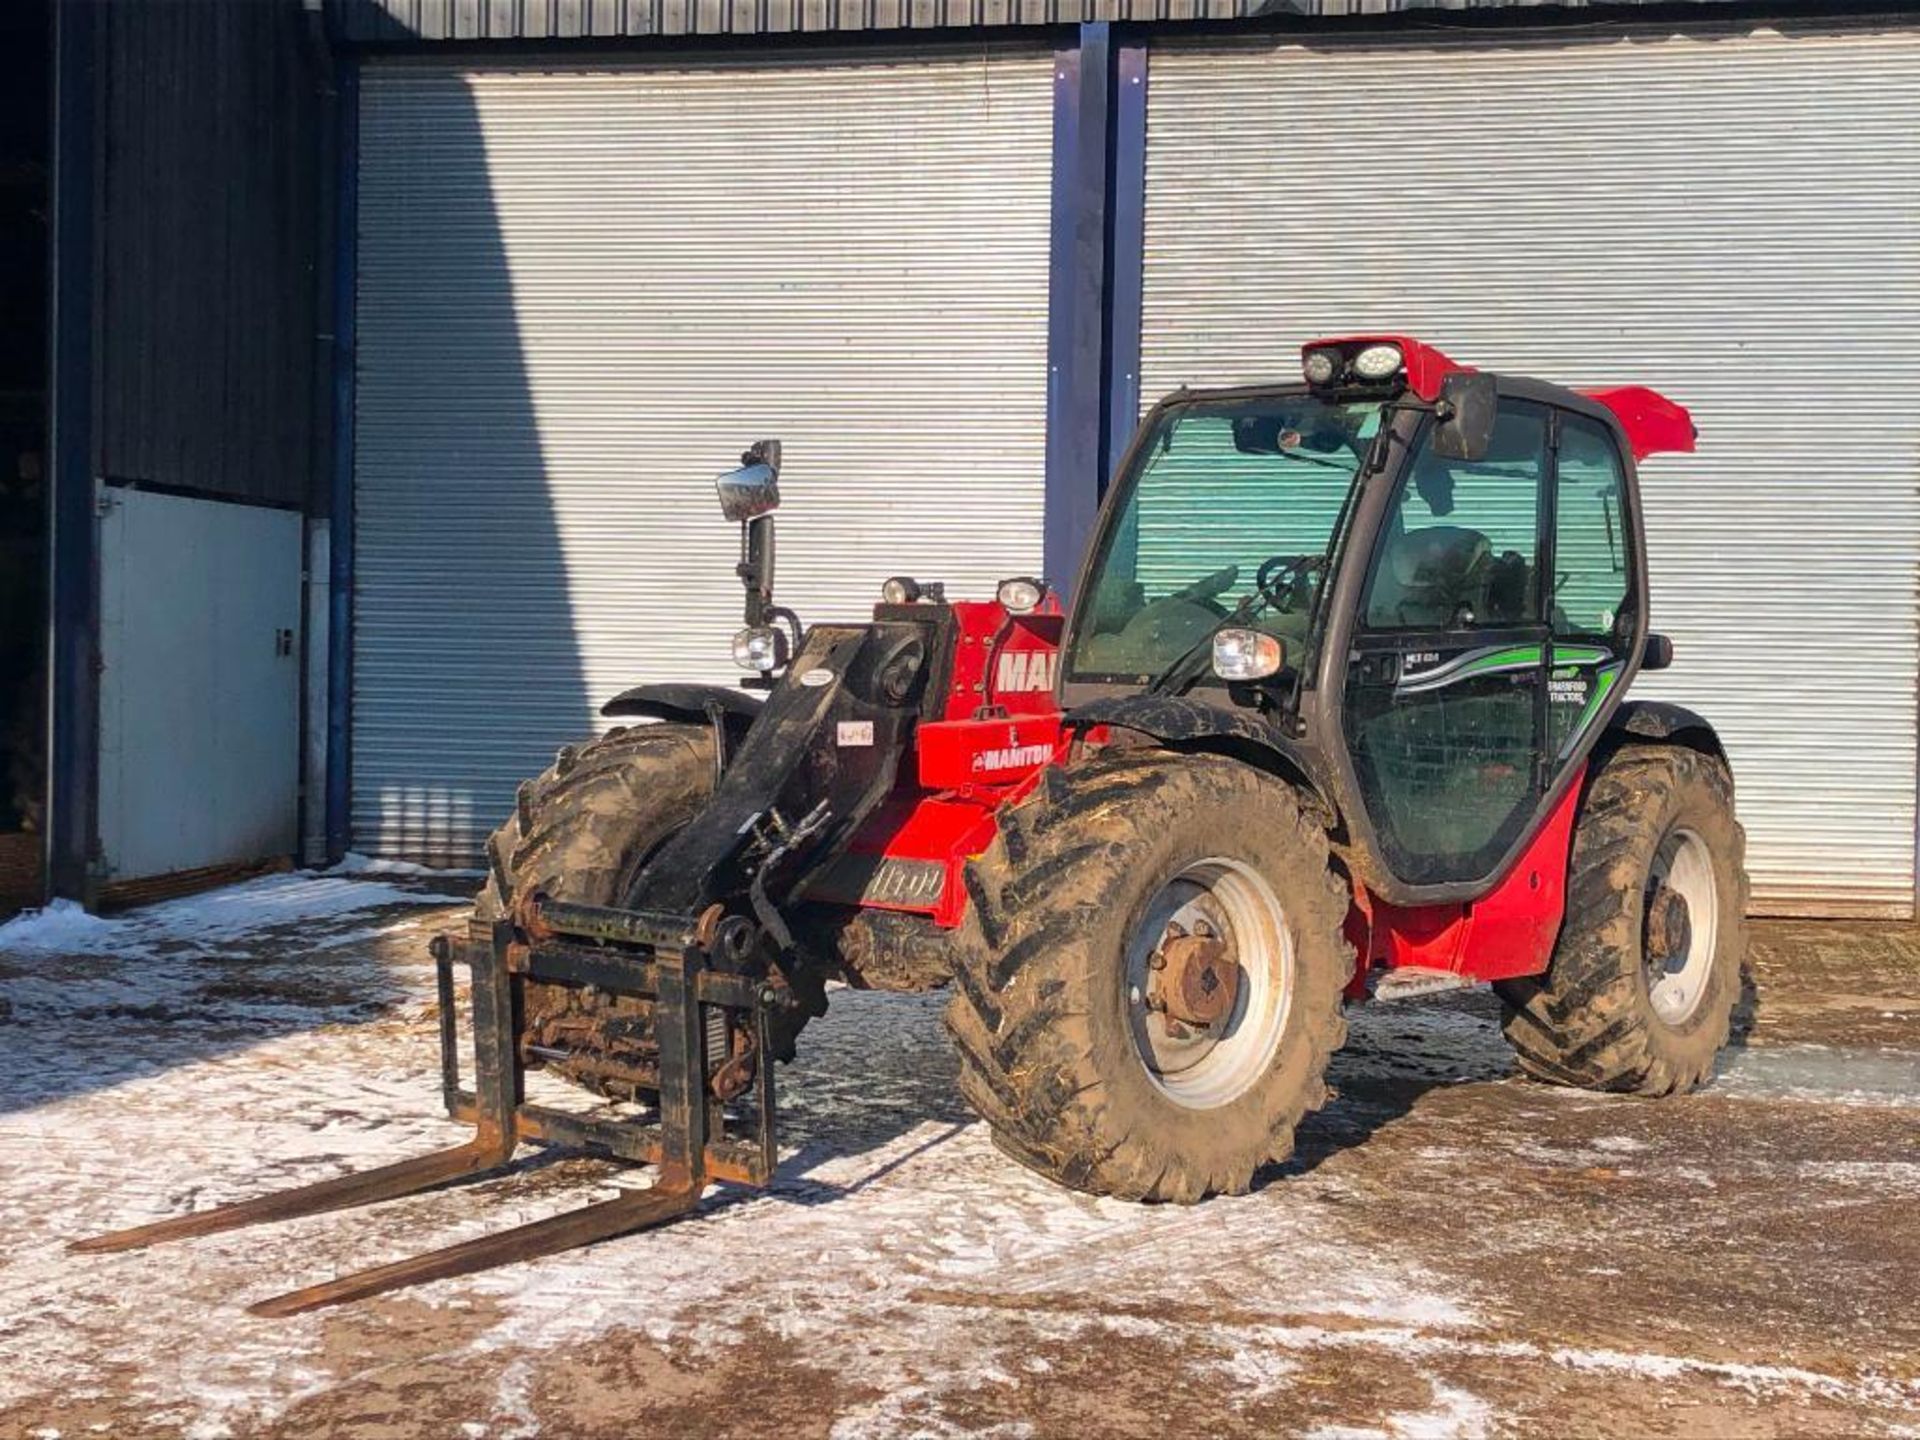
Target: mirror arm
{"points": [[756, 567]]}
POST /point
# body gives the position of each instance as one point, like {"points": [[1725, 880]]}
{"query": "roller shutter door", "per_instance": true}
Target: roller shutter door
{"points": [[581, 293], [1731, 216]]}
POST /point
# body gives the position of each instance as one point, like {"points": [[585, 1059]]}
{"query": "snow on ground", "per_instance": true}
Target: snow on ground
{"points": [[200, 921], [354, 863], [280, 1032]]}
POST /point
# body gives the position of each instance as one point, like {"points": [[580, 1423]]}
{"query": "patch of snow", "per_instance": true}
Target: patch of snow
{"points": [[1902, 1174], [235, 913], [1821, 1074], [1620, 1144], [354, 863], [1455, 1415], [62, 927]]}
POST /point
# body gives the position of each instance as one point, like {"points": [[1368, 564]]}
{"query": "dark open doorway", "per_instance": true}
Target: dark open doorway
{"points": [[25, 67]]}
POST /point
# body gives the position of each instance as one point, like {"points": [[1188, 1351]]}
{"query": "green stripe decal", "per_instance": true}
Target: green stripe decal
{"points": [[1580, 655], [1496, 659], [1465, 667], [1514, 657], [1603, 684]]}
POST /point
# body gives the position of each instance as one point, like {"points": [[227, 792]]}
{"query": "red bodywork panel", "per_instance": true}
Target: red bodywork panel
{"points": [[1509, 931], [1654, 424], [1001, 728]]}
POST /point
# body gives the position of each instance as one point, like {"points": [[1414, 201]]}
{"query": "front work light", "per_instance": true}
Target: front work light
{"points": [[1021, 594], [1246, 654], [900, 590], [1322, 367], [1378, 362], [759, 647]]}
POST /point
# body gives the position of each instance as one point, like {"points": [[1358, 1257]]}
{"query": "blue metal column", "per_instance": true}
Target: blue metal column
{"points": [[1127, 215], [1076, 297], [73, 752], [346, 210]]}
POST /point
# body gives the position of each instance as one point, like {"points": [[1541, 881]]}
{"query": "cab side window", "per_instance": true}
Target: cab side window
{"points": [[1590, 560], [1460, 550]]}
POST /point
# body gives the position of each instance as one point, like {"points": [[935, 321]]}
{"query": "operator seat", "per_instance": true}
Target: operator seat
{"points": [[1427, 575]]}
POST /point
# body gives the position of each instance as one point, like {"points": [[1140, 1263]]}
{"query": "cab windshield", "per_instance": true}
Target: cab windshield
{"points": [[1228, 510]]}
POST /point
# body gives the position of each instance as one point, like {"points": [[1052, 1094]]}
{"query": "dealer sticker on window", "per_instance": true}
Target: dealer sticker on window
{"points": [[856, 732]]}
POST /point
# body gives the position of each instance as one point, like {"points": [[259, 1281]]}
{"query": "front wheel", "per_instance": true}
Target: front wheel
{"points": [[581, 832], [1151, 976], [1648, 976]]}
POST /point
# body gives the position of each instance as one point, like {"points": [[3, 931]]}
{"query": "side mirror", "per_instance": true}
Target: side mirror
{"points": [[754, 489], [1466, 412]]}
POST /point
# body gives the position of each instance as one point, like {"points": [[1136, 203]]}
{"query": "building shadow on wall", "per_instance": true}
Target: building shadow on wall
{"points": [[467, 667]]}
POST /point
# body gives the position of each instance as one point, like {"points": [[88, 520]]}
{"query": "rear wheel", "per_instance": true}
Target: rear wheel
{"points": [[1151, 978], [1648, 977], [580, 832]]}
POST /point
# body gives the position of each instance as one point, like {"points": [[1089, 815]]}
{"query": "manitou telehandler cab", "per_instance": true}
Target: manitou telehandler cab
{"points": [[1336, 710]]}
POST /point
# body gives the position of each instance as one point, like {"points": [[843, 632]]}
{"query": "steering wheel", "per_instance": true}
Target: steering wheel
{"points": [[1293, 569]]}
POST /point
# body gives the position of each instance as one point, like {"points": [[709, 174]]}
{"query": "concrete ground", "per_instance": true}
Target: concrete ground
{"points": [[1455, 1251]]}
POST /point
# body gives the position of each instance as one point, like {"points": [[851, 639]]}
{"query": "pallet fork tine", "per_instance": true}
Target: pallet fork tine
{"points": [[389, 1182], [674, 976], [634, 1210]]}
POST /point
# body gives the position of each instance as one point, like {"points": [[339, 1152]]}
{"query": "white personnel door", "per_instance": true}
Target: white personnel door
{"points": [[199, 685]]}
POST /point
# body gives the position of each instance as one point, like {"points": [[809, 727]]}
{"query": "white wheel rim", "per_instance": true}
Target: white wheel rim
{"points": [[1677, 980], [1206, 1070]]}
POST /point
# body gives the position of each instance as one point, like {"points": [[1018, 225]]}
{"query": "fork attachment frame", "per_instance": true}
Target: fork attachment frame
{"points": [[693, 1139]]}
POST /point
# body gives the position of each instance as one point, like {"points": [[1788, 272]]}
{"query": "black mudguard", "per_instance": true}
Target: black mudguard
{"points": [[1662, 720], [1183, 723], [686, 703]]}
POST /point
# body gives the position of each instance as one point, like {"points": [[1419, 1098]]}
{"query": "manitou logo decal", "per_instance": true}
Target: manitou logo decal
{"points": [[1013, 755], [1024, 670]]}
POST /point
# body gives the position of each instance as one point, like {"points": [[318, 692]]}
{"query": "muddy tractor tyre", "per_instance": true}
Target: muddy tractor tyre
{"points": [[1648, 977], [1150, 977], [581, 832]]}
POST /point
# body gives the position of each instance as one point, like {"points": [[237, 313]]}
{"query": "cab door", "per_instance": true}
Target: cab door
{"points": [[1446, 701]]}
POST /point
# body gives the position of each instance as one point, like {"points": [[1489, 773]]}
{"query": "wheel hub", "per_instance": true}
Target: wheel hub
{"points": [[1208, 980], [1669, 925], [1195, 977], [1678, 944]]}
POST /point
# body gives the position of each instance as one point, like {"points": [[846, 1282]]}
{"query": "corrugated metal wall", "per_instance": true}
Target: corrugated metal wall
{"points": [[582, 292], [207, 246], [405, 20], [1730, 218]]}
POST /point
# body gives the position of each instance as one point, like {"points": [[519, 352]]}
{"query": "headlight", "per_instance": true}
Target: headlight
{"points": [[1378, 362], [1246, 654], [1021, 594], [758, 648], [1321, 366], [900, 590]]}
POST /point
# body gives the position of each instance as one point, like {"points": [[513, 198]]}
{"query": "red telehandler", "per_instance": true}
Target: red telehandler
{"points": [[1338, 711]]}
